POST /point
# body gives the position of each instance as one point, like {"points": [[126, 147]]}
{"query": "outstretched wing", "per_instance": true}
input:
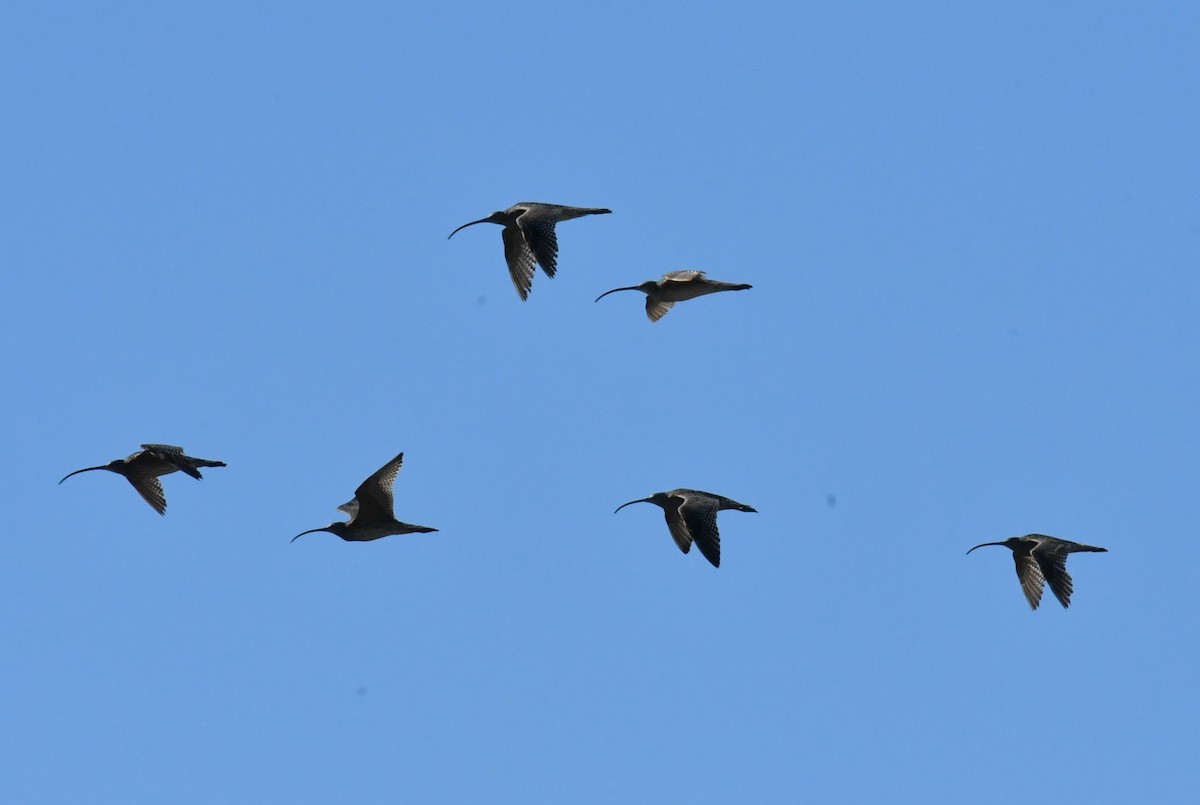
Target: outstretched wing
{"points": [[683, 276], [676, 526], [1051, 555], [374, 495], [150, 488], [699, 513], [1030, 576], [1053, 565], [540, 237], [655, 310], [520, 260]]}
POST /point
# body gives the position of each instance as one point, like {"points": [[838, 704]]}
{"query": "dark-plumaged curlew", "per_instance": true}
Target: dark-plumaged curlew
{"points": [[529, 238], [692, 517], [371, 510], [1043, 559], [676, 286], [143, 468]]}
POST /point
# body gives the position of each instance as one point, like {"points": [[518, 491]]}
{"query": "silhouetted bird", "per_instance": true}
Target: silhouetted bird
{"points": [[371, 510], [529, 237], [692, 517], [143, 468], [1040, 558], [675, 286]]}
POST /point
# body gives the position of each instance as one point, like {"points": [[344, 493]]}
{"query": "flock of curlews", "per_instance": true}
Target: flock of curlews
{"points": [[530, 241]]}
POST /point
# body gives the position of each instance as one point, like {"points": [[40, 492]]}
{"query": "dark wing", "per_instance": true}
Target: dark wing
{"points": [[374, 495], [164, 451], [1051, 555], [350, 507], [700, 515], [150, 488], [520, 260], [656, 310], [541, 240], [1054, 568], [174, 456], [676, 526], [1030, 576]]}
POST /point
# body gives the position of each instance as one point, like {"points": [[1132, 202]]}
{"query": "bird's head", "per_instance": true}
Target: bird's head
{"points": [[498, 217], [658, 499], [116, 465], [338, 528], [646, 287], [1011, 542]]}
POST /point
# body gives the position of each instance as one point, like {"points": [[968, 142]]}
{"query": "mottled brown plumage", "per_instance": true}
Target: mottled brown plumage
{"points": [[692, 517], [371, 510], [529, 237], [1040, 559], [143, 468], [676, 286]]}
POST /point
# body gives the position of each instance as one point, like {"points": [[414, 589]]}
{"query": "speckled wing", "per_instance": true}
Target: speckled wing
{"points": [[700, 516], [520, 259], [374, 495], [676, 526], [350, 507], [656, 310], [150, 488], [683, 276], [540, 237], [1030, 576], [1053, 565]]}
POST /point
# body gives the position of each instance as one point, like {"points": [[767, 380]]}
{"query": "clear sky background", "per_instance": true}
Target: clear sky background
{"points": [[973, 232]]}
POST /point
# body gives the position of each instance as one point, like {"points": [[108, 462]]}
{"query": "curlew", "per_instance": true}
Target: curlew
{"points": [[1043, 559], [692, 517], [676, 286], [529, 237], [143, 468], [371, 510]]}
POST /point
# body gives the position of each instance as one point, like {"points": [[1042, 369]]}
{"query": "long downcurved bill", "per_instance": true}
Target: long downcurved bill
{"points": [[639, 500], [487, 220], [614, 290], [982, 544], [309, 531], [85, 469]]}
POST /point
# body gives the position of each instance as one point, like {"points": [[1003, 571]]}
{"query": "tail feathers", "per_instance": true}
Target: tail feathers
{"points": [[191, 466]]}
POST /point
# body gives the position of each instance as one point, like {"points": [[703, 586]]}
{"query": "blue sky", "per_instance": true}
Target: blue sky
{"points": [[973, 236]]}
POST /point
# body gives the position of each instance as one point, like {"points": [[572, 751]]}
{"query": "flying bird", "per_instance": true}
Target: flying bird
{"points": [[371, 510], [692, 517], [143, 468], [529, 237], [676, 286], [1043, 559]]}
